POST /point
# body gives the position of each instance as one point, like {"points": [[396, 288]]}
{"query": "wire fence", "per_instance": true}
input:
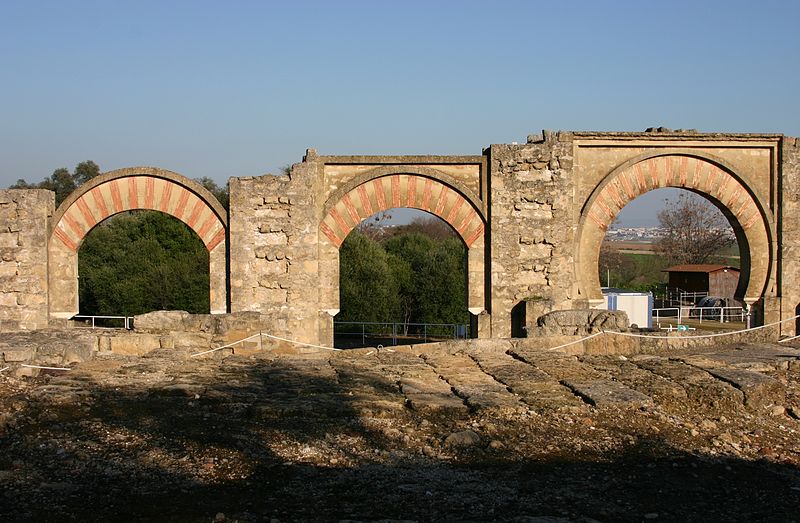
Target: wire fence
{"points": [[351, 334]]}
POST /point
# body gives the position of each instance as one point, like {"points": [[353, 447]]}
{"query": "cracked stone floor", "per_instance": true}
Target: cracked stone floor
{"points": [[454, 432]]}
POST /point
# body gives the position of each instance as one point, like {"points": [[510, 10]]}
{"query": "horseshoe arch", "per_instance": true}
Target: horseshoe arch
{"points": [[709, 177]]}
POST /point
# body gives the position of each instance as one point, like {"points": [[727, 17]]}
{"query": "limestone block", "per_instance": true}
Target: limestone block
{"points": [[8, 299], [582, 321], [275, 213], [531, 278], [536, 250], [134, 344], [535, 175], [198, 340], [273, 267], [534, 211], [160, 321], [77, 354], [15, 355], [9, 239]]}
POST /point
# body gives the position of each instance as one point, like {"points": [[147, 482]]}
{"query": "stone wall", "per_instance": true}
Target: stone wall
{"points": [[531, 229], [24, 222], [789, 235]]}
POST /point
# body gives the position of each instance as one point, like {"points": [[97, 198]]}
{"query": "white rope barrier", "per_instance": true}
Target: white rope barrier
{"points": [[264, 334], [301, 343], [789, 339], [681, 338], [225, 346], [46, 368], [578, 341], [4, 369]]}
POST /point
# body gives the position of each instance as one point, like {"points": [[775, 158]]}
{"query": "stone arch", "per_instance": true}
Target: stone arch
{"points": [[345, 210], [386, 188], [135, 188], [712, 178]]}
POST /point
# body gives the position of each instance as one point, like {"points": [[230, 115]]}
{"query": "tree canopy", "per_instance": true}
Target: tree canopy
{"points": [[62, 182], [406, 278], [141, 261]]}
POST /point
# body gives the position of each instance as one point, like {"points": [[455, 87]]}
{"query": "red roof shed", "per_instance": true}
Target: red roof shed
{"points": [[715, 279]]}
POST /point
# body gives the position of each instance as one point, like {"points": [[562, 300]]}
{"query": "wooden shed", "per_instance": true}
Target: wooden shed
{"points": [[715, 279]]}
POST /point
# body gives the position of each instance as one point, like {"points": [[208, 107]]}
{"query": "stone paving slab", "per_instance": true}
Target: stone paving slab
{"points": [[657, 387], [601, 393], [479, 389], [752, 356], [533, 386], [557, 365], [415, 383], [759, 391], [701, 387]]}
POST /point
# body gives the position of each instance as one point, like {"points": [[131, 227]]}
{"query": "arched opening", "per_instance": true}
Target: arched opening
{"points": [[352, 205], [713, 182], [140, 261], [678, 246], [121, 191], [402, 280]]}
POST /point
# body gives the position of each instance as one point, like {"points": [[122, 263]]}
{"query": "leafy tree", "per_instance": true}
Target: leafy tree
{"points": [[694, 231], [368, 290], [430, 226], [85, 171], [21, 184], [220, 193], [62, 182], [616, 269], [407, 278], [141, 261]]}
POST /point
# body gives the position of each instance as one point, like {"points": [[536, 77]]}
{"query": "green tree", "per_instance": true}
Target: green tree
{"points": [[85, 171], [367, 290], [141, 261], [220, 192], [62, 182]]}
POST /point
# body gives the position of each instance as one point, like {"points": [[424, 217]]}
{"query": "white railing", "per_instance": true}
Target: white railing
{"points": [[126, 320], [701, 314]]}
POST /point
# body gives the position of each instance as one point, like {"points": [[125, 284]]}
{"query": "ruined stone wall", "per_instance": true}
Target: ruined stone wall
{"points": [[531, 229], [273, 229], [789, 235], [24, 220]]}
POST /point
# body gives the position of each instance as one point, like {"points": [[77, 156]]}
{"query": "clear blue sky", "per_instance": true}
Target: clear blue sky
{"points": [[241, 88]]}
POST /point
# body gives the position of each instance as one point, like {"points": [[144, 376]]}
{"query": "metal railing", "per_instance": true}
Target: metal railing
{"points": [[390, 333], [676, 296], [92, 321], [719, 314]]}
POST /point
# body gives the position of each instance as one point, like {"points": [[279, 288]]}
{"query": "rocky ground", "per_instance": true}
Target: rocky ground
{"points": [[464, 434]]}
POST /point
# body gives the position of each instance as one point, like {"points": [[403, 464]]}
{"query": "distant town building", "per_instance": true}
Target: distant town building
{"points": [[715, 279]]}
